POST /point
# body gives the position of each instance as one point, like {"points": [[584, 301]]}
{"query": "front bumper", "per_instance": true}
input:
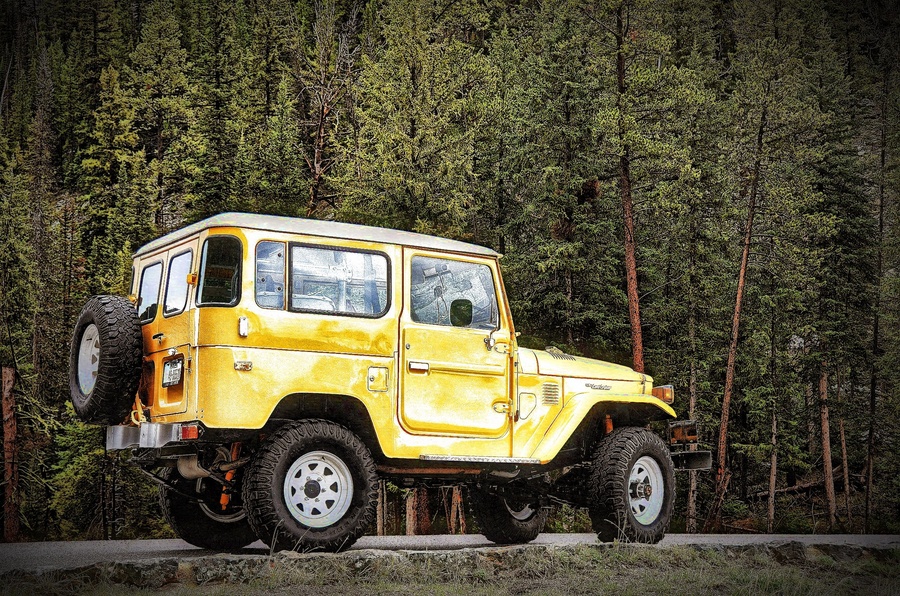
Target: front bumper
{"points": [[148, 434], [683, 438]]}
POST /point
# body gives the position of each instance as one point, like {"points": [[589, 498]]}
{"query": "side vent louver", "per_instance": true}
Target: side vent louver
{"points": [[551, 394]]}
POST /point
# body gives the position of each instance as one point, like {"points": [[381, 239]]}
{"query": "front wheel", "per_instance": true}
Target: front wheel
{"points": [[632, 485], [507, 521], [311, 486]]}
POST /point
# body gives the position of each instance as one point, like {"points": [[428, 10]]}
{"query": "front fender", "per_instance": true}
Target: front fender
{"points": [[580, 404]]}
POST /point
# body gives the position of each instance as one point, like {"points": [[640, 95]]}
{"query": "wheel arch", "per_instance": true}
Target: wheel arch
{"points": [[581, 423], [346, 410]]}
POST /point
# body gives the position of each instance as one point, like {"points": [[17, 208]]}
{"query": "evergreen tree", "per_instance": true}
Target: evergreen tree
{"points": [[421, 99], [159, 82]]}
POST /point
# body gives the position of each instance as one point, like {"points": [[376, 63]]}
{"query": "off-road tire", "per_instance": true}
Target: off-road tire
{"points": [[118, 349], [614, 459], [264, 487], [498, 521], [228, 533]]}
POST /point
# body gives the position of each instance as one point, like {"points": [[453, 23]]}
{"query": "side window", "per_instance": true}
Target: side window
{"points": [[338, 281], [148, 295], [270, 274], [445, 292], [176, 284], [220, 272]]}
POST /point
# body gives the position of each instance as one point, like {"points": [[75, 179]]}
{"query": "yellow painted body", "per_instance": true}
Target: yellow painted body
{"points": [[428, 389]]}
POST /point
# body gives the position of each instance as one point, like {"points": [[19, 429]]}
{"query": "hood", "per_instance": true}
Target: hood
{"points": [[556, 363]]}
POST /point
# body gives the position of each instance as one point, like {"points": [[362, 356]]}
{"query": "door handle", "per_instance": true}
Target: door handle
{"points": [[418, 366]]}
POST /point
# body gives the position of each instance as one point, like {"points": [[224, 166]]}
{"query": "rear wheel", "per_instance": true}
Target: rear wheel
{"points": [[632, 484], [507, 520], [203, 521], [311, 486]]}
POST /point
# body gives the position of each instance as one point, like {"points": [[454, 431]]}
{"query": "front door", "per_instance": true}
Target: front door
{"points": [[454, 344]]}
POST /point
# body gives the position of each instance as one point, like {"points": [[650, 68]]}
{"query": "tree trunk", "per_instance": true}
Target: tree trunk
{"points": [[634, 311], [810, 424], [826, 448], [736, 318], [423, 515], [873, 385], [773, 473], [418, 520], [381, 509], [846, 473], [10, 460], [691, 522], [458, 510], [411, 512]]}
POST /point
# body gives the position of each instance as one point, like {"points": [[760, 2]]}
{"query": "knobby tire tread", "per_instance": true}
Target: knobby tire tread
{"points": [[192, 525], [260, 497], [610, 511], [119, 367], [498, 525]]}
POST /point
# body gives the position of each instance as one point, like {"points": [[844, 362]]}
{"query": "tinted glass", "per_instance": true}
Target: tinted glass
{"points": [[338, 281], [220, 272], [436, 283], [270, 274], [176, 284], [148, 296]]}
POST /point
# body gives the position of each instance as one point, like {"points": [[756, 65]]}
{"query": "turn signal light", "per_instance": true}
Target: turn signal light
{"points": [[190, 432], [664, 393]]}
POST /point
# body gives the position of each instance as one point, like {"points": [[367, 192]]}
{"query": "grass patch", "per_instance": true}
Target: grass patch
{"points": [[536, 571]]}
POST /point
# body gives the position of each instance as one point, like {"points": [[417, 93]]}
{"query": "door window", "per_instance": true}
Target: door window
{"points": [[452, 293], [148, 296], [220, 272], [176, 284]]}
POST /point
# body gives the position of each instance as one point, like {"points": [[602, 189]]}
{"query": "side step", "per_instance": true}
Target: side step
{"points": [[474, 459]]}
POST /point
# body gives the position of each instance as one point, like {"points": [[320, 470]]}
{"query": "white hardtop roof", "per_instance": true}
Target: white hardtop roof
{"points": [[315, 227]]}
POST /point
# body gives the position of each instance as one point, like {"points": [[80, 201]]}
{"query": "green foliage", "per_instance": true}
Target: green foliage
{"points": [[499, 123]]}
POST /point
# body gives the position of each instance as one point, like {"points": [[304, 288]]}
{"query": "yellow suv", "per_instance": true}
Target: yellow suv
{"points": [[273, 369]]}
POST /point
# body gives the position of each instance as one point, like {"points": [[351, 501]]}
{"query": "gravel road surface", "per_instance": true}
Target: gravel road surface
{"points": [[38, 556]]}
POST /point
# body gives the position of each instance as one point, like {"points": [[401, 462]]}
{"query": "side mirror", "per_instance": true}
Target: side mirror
{"points": [[461, 312]]}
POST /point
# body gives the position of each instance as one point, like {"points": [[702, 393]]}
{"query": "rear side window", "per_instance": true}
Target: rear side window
{"points": [[220, 272], [338, 281], [176, 285], [148, 295], [270, 274]]}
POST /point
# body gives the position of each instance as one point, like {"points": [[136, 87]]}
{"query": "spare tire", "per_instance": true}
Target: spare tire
{"points": [[105, 360]]}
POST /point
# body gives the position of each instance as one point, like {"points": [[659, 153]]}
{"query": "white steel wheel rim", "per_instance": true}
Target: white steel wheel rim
{"points": [[523, 514], [646, 491], [318, 489], [88, 358], [219, 516]]}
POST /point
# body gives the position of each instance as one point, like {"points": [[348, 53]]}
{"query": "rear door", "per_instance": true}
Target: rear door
{"points": [[172, 337]]}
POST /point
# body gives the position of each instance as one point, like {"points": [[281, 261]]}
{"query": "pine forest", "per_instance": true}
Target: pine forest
{"points": [[705, 190]]}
